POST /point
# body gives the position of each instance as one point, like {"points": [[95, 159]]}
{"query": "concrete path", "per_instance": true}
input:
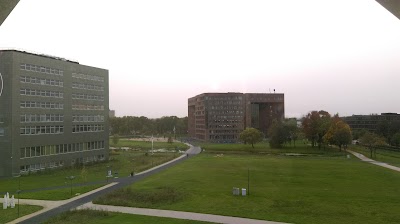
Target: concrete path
{"points": [[48, 205], [72, 203], [176, 214], [366, 159]]}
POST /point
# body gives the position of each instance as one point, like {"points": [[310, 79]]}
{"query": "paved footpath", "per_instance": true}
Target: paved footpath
{"points": [[54, 208], [366, 159], [176, 214]]}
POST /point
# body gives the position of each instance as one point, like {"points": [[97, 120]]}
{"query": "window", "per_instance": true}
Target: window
{"points": [[1, 131]]}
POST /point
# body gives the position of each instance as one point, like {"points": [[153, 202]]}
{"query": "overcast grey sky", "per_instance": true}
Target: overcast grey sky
{"points": [[342, 56]]}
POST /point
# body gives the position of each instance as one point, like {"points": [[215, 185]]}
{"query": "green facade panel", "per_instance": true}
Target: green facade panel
{"points": [[53, 112]]}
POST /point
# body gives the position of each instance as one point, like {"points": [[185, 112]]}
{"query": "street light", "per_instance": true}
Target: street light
{"points": [[19, 189], [70, 178]]}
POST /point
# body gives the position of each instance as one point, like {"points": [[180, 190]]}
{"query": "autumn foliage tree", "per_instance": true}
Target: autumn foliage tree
{"points": [[339, 133], [315, 125]]}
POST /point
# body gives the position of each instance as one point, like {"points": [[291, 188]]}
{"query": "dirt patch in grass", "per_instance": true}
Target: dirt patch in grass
{"points": [[132, 198]]}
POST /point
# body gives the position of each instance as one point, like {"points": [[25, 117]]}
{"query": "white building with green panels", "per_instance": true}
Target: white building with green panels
{"points": [[53, 112]]}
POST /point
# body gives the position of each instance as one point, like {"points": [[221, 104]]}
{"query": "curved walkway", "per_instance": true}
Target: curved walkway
{"points": [[55, 208], [366, 159], [175, 214]]}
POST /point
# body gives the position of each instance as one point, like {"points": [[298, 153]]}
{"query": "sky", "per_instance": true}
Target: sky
{"points": [[342, 56]]}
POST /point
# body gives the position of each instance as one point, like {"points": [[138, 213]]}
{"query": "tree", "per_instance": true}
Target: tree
{"points": [[315, 125], [170, 139], [372, 140], [291, 131], [277, 134], [115, 139], [251, 136], [339, 134], [396, 139]]}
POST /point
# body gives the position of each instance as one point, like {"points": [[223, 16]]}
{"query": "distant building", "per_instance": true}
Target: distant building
{"points": [[53, 112], [369, 122], [221, 117], [111, 113]]}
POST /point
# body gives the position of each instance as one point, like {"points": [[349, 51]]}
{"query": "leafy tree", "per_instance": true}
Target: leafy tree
{"points": [[372, 140], [251, 136], [357, 134], [315, 125], [396, 139], [291, 131], [339, 134], [278, 134], [115, 139]]}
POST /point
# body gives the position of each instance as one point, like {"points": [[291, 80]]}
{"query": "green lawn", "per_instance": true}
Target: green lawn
{"points": [[264, 148], [9, 214], [123, 163], [387, 156], [59, 194], [303, 189], [146, 145], [103, 217]]}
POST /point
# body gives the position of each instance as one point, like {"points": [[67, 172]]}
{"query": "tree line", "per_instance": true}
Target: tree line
{"points": [[318, 127], [164, 126]]}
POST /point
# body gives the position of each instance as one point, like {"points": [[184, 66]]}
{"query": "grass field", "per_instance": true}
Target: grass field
{"points": [[295, 189], [103, 217], [59, 194], [9, 214], [123, 163], [264, 148], [146, 145]]}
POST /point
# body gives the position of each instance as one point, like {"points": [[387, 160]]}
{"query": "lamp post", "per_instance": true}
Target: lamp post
{"points": [[19, 189], [70, 178]]}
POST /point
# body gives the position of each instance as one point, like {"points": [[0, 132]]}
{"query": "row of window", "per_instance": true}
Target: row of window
{"points": [[76, 85], [223, 98], [42, 93], [79, 128], [41, 69], [87, 118], [41, 166], [28, 118], [36, 151], [41, 81], [83, 96], [87, 77], [87, 107], [41, 130], [55, 164], [41, 105]]}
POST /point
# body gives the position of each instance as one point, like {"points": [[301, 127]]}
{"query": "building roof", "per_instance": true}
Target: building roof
{"points": [[41, 55], [392, 6]]}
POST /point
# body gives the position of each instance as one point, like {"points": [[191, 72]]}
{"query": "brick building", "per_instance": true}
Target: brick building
{"points": [[220, 117]]}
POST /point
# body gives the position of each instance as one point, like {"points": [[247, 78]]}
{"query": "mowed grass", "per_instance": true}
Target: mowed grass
{"points": [[103, 217], [122, 163], [9, 214], [146, 145], [304, 189], [59, 194]]}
